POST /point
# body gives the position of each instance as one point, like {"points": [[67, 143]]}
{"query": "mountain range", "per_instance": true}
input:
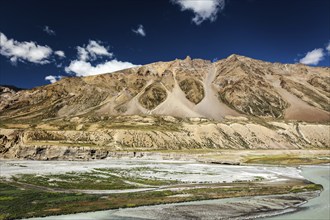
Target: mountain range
{"points": [[165, 95]]}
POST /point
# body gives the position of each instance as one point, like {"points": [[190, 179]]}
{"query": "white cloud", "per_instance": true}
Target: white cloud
{"points": [[60, 53], [140, 30], [49, 31], [83, 68], [24, 51], [92, 50], [203, 9], [313, 57], [328, 48], [82, 53], [53, 79]]}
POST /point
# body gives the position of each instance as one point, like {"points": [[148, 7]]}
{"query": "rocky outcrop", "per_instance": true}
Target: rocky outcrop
{"points": [[153, 96], [146, 136]]}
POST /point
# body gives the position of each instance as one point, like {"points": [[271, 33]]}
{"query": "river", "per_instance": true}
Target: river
{"points": [[319, 207], [316, 209]]}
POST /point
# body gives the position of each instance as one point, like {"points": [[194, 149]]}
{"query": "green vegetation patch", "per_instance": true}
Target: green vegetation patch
{"points": [[283, 159], [32, 202], [19, 203], [72, 180], [309, 187]]}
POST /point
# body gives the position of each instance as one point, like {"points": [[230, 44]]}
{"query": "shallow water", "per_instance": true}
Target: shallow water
{"points": [[319, 207]]}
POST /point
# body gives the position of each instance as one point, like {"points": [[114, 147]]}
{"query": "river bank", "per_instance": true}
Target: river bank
{"points": [[307, 205], [316, 208], [59, 187]]}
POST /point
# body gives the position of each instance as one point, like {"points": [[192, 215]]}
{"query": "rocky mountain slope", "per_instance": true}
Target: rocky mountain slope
{"points": [[233, 86], [157, 106]]}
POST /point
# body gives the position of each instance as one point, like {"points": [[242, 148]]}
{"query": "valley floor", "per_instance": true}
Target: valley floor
{"points": [[264, 207], [45, 188]]}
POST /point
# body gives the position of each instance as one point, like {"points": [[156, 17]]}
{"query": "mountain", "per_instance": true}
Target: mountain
{"points": [[6, 92], [9, 88], [233, 86], [126, 108]]}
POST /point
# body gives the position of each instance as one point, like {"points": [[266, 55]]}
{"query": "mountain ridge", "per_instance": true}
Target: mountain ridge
{"points": [[236, 103], [234, 86]]}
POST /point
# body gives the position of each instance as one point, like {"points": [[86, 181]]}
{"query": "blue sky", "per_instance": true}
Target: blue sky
{"points": [[51, 39]]}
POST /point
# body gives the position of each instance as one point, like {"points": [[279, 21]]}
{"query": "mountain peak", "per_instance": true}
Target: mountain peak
{"points": [[237, 57], [188, 58]]}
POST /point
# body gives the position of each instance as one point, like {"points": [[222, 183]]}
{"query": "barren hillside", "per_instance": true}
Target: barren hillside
{"points": [[233, 86], [232, 103]]}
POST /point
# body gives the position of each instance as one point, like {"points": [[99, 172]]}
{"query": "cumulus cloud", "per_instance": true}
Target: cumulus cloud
{"points": [[52, 79], [92, 51], [24, 51], [60, 53], [83, 68], [313, 57], [202, 9], [140, 30], [49, 31]]}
